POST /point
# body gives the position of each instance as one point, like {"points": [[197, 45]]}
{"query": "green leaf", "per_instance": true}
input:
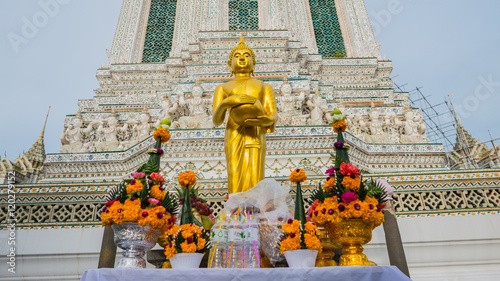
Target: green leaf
{"points": [[187, 213], [300, 213], [318, 194], [145, 193], [171, 202]]}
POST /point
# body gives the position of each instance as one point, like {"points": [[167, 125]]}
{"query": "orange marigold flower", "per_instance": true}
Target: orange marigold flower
{"points": [[136, 186], [157, 192], [290, 244], [170, 251], [351, 183], [312, 242], [291, 227], [188, 247], [173, 230], [376, 217], [342, 125], [188, 230], [131, 210], [311, 229], [187, 178], [297, 176], [329, 184], [201, 243], [163, 134]]}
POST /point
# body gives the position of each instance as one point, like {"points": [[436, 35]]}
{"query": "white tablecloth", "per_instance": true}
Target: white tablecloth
{"points": [[355, 273]]}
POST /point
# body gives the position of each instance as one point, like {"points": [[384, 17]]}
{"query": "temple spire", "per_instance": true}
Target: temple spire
{"points": [[36, 153]]}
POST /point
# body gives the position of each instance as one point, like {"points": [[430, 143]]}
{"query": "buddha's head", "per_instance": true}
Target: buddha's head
{"points": [[242, 58]]}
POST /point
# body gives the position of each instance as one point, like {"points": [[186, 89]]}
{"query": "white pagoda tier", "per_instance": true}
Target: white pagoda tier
{"points": [[166, 59]]}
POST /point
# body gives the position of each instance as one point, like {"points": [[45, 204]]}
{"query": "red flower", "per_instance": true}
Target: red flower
{"points": [[348, 169]]}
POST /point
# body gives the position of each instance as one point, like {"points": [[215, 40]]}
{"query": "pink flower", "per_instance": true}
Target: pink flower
{"points": [[330, 172], [348, 169], [153, 201], [157, 177], [138, 175], [349, 196]]}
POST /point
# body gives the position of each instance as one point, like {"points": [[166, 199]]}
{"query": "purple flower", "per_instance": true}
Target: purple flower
{"points": [[338, 144], [330, 212], [282, 239], [341, 208], [297, 170], [119, 210], [159, 215], [189, 240], [162, 188], [159, 203], [159, 151], [133, 198], [144, 214], [371, 206], [290, 221], [170, 221], [105, 209], [328, 178], [132, 182], [315, 213], [349, 196], [292, 235], [357, 206], [323, 211]]}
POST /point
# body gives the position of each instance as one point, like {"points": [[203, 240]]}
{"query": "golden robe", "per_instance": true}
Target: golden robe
{"points": [[245, 147]]}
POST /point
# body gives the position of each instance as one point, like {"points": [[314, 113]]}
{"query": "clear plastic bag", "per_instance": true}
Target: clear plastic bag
{"points": [[271, 203]]}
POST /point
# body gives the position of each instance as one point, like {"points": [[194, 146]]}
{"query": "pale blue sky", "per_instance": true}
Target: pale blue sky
{"points": [[445, 46]]}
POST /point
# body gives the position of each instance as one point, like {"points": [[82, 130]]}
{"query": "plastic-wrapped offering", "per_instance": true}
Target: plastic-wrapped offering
{"points": [[272, 205]]}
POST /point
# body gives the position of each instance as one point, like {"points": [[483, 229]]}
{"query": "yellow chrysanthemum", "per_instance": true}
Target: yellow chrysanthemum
{"points": [[297, 176]]}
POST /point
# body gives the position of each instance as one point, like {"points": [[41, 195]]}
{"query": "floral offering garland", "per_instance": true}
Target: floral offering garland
{"points": [[187, 237], [344, 194], [143, 199]]}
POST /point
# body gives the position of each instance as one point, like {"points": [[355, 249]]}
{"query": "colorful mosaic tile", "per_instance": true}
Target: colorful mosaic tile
{"points": [[327, 28], [243, 15], [160, 30]]}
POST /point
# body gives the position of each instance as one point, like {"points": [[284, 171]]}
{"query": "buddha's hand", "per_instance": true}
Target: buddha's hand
{"points": [[262, 121], [236, 100]]}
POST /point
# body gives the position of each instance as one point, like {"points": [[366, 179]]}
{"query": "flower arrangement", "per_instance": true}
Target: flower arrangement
{"points": [[297, 236], [186, 237], [345, 195], [143, 198], [297, 233]]}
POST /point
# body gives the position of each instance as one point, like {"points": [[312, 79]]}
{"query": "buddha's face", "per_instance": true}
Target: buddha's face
{"points": [[242, 61]]}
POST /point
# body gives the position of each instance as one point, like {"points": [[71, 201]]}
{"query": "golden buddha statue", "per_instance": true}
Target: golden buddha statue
{"points": [[252, 114]]}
